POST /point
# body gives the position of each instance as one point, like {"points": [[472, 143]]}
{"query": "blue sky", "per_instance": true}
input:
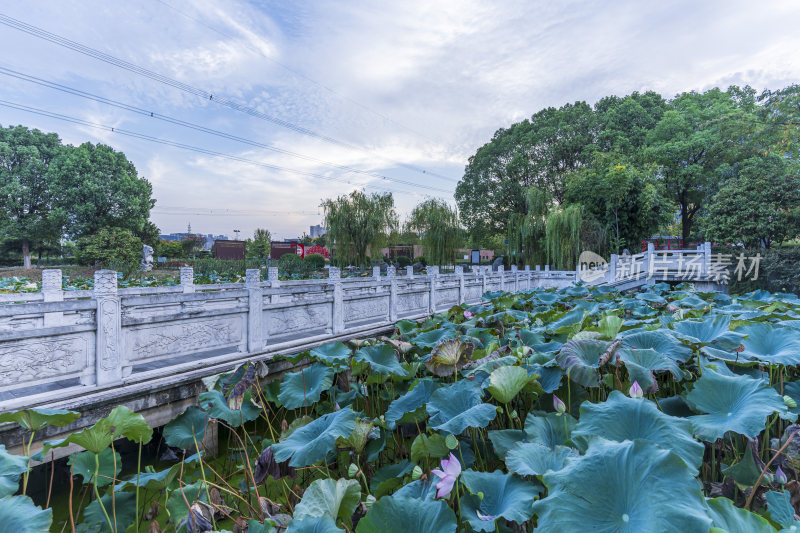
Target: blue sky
{"points": [[412, 84]]}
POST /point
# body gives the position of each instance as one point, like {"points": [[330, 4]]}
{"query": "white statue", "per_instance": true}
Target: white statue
{"points": [[147, 258]]}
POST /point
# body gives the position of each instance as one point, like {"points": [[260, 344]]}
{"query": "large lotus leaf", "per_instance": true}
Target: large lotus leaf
{"points": [[155, 481], [132, 426], [214, 402], [454, 408], [530, 338], [621, 418], [312, 442], [95, 438], [109, 462], [319, 524], [549, 376], [550, 429], [714, 329], [304, 388], [609, 326], [36, 419], [412, 400], [422, 489], [732, 519], [580, 359], [780, 509], [746, 471], [335, 354], [484, 336], [643, 364], [448, 357], [503, 440], [11, 467], [397, 514], [569, 323], [431, 338], [506, 382], [187, 429], [123, 502], [623, 487], [772, 346], [329, 497], [381, 358], [733, 403], [389, 477], [432, 447], [177, 501], [661, 341], [534, 459], [504, 496], [18, 514]]}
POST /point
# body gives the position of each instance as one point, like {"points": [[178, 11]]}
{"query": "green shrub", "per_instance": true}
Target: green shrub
{"points": [[110, 245], [315, 261], [403, 261], [777, 270]]}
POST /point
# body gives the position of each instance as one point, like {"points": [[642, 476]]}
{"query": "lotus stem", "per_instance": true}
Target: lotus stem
{"points": [[763, 472], [97, 492]]}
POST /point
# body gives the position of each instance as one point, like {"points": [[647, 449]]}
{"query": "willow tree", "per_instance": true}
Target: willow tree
{"points": [[563, 236], [526, 233], [437, 225], [357, 223]]}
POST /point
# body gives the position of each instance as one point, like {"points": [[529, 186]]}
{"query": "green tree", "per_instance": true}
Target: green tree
{"points": [[359, 222], [192, 244], [109, 245], [169, 249], [27, 192], [261, 244], [436, 224], [99, 187], [758, 205], [526, 233]]}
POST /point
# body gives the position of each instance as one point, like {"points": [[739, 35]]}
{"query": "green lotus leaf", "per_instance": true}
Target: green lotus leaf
{"points": [[568, 323], [412, 400], [580, 359], [503, 440], [534, 459], [609, 326], [110, 463], [643, 364], [504, 496], [319, 524], [389, 477], [214, 402], [328, 497], [420, 489], [304, 387], [312, 442], [254, 526], [714, 329], [612, 489], [732, 519], [746, 472], [187, 429], [132, 426], [123, 502], [95, 438], [772, 346], [661, 341], [454, 408], [155, 481], [506, 382], [733, 403], [449, 356], [395, 514], [621, 418], [381, 359], [550, 430], [36, 419], [335, 354], [176, 502], [18, 514], [431, 338], [432, 447], [780, 508], [11, 467], [530, 338], [549, 376]]}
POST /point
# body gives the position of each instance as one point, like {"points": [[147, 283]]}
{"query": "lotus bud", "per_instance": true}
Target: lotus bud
{"points": [[369, 501], [636, 390], [451, 441], [780, 477], [558, 405], [480, 495], [352, 470], [789, 401], [416, 473]]}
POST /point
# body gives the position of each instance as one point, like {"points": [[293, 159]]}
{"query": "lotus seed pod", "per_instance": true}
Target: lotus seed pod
{"points": [[451, 441], [352, 470], [416, 473]]}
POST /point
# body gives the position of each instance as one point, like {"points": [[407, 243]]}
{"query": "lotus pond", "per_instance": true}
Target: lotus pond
{"points": [[562, 411]]}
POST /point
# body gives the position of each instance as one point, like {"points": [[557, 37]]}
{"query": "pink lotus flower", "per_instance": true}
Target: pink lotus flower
{"points": [[559, 405], [636, 390], [467, 315], [452, 469]]}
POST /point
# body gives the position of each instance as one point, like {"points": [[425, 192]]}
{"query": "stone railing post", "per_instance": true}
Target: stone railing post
{"points": [[376, 272], [502, 270], [409, 271], [187, 279], [272, 276], [108, 356], [391, 274], [335, 276], [52, 292], [462, 288], [527, 277], [255, 300], [515, 276], [611, 275], [484, 271], [651, 253], [707, 257], [433, 273]]}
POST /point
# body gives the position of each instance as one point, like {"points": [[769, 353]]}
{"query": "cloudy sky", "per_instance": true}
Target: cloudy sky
{"points": [[399, 93]]}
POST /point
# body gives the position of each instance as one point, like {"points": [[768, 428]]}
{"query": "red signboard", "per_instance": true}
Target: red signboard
{"points": [[317, 249]]}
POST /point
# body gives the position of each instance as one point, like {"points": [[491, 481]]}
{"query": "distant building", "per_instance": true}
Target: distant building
{"points": [[209, 238], [317, 231]]}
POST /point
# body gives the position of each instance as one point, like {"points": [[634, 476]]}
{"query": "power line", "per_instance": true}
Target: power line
{"points": [[197, 127], [221, 100], [203, 211], [298, 73], [175, 144]]}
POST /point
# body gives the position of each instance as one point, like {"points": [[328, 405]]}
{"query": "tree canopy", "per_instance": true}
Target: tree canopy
{"points": [[438, 228], [358, 223]]}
